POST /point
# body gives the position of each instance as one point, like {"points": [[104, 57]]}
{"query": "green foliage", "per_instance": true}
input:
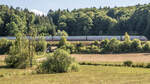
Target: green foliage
{"points": [[148, 65], [97, 43], [5, 45], [41, 45], [136, 45], [114, 45], [74, 67], [110, 47], [127, 38], [58, 62], [18, 55], [86, 21], [125, 46], [104, 43], [142, 65], [69, 47], [102, 24], [93, 49], [146, 47], [63, 41], [61, 33], [127, 63]]}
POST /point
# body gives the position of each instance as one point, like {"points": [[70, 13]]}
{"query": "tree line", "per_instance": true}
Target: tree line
{"points": [[85, 21]]}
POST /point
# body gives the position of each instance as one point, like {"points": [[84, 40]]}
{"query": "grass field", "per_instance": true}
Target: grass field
{"points": [[88, 74]]}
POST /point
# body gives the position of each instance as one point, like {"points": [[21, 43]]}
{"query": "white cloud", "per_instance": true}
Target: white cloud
{"points": [[37, 12]]}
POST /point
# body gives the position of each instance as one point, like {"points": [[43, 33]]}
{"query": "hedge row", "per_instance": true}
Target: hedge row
{"points": [[124, 64], [109, 46]]}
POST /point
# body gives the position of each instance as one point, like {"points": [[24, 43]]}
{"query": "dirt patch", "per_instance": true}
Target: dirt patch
{"points": [[2, 57], [135, 57]]}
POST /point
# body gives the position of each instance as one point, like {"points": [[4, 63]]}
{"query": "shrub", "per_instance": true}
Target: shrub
{"points": [[5, 45], [69, 47], [94, 49], [15, 59], [148, 65], [96, 43], [82, 49], [140, 65], [125, 47], [112, 46], [104, 43], [62, 42], [20, 56], [61, 33], [146, 47], [79, 45], [74, 67], [127, 38], [136, 45], [58, 62], [126, 44], [41, 45], [127, 63]]}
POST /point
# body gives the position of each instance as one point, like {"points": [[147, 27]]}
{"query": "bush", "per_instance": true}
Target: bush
{"points": [[20, 56], [69, 47], [125, 47], [5, 45], [148, 65], [61, 33], [74, 67], [111, 47], [136, 45], [126, 44], [142, 65], [63, 41], [79, 45], [114, 45], [58, 62], [82, 49], [127, 38], [15, 59], [96, 43], [127, 63], [104, 43], [41, 46], [93, 49], [146, 47]]}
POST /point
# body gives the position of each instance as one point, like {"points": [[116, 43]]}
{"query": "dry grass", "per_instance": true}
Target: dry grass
{"points": [[2, 57], [135, 57]]}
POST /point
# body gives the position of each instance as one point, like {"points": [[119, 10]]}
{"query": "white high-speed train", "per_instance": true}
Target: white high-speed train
{"points": [[84, 38]]}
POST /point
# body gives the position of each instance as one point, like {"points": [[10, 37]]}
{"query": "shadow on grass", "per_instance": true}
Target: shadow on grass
{"points": [[4, 67]]}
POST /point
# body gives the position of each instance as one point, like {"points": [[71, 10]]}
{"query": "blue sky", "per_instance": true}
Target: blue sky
{"points": [[45, 5]]}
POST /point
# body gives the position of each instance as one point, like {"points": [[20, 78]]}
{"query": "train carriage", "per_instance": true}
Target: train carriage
{"points": [[82, 38]]}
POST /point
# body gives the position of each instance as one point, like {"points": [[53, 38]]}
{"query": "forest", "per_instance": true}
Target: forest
{"points": [[77, 22]]}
